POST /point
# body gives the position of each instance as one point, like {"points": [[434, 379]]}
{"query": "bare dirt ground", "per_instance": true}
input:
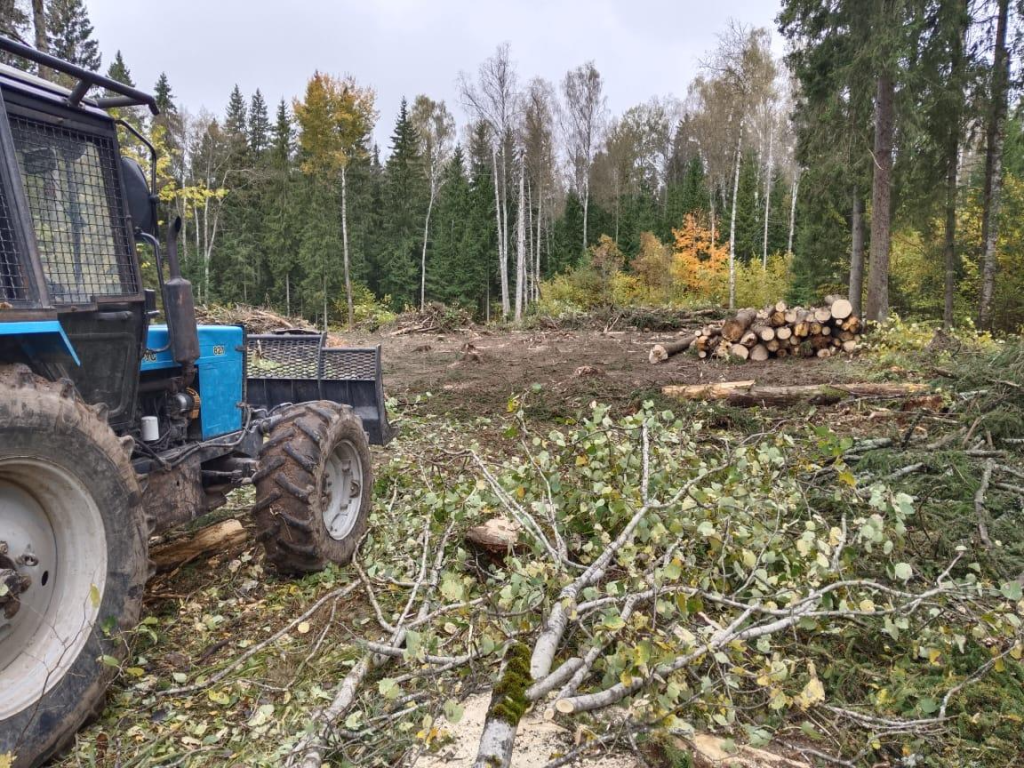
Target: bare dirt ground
{"points": [[474, 373]]}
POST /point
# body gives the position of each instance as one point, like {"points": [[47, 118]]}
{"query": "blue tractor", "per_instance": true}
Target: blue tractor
{"points": [[114, 428]]}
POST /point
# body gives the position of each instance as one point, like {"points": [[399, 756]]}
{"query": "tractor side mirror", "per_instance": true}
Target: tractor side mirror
{"points": [[141, 201]]}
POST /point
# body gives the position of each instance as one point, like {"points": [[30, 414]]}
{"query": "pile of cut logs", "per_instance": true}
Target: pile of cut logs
{"points": [[775, 331]]}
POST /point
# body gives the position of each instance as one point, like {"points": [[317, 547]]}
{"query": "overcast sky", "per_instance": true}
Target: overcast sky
{"points": [[402, 48]]}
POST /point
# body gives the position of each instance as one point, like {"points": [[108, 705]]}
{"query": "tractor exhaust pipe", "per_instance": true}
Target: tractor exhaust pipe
{"points": [[180, 308]]}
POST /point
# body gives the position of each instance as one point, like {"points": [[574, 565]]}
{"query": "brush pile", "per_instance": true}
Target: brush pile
{"points": [[255, 319], [773, 332], [435, 317]]}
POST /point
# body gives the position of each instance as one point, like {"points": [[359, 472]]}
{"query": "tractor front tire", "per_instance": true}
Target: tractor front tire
{"points": [[73, 540], [314, 487]]}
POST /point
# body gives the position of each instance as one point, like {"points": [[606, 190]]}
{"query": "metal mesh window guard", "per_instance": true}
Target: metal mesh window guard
{"points": [[284, 357], [71, 182], [12, 282]]}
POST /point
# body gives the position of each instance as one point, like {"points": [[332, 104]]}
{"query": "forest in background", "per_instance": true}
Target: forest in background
{"points": [[881, 157]]}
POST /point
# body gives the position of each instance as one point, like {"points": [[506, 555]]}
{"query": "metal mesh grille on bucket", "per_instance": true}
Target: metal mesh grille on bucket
{"points": [[12, 283], [283, 357], [71, 183], [356, 364]]}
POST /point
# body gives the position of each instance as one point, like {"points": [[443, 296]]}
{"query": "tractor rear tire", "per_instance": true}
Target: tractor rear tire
{"points": [[76, 536], [314, 487]]}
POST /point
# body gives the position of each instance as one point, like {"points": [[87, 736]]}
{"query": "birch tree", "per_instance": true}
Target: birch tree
{"points": [[743, 71], [435, 128], [538, 136], [335, 118], [584, 117], [494, 99]]}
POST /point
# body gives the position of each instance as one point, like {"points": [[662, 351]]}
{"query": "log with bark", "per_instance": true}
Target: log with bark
{"points": [[774, 331], [662, 352], [734, 328], [223, 537], [748, 393]]}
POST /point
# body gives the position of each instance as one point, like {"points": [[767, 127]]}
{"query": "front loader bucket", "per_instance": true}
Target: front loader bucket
{"points": [[299, 368]]}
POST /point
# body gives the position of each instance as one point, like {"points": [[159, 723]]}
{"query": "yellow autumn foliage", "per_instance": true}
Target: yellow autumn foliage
{"points": [[700, 266]]}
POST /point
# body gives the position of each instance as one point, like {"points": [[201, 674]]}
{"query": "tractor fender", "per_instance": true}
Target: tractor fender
{"points": [[40, 337]]}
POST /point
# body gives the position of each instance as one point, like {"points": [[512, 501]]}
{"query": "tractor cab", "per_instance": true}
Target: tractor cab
{"points": [[121, 417]]}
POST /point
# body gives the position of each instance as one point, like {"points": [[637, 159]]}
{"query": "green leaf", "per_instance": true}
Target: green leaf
{"points": [[810, 731], [94, 596], [388, 688], [179, 677], [903, 571], [453, 711], [928, 705], [110, 661], [614, 623], [218, 697], [1012, 590]]}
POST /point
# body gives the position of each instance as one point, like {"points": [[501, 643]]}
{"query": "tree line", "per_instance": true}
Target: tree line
{"points": [[878, 157]]}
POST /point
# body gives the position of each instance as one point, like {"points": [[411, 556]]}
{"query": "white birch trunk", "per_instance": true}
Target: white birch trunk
{"points": [[423, 258], [536, 271], [502, 253], [732, 224], [586, 209], [792, 211], [521, 247], [713, 232], [344, 249], [767, 199], [496, 743]]}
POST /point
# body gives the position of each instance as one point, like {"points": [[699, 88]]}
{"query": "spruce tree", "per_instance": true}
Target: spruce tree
{"points": [[404, 203], [457, 273], [483, 232], [236, 121], [283, 136], [749, 211], [118, 71], [259, 124], [14, 24], [71, 34], [164, 96]]}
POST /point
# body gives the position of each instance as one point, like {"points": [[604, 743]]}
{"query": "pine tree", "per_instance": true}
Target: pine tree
{"points": [[259, 124], [70, 34]]}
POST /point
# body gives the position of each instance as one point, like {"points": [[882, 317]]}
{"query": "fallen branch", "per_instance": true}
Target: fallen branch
{"points": [[980, 510], [337, 594]]}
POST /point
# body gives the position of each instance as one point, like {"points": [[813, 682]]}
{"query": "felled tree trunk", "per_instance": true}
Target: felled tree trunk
{"points": [[734, 328], [747, 393], [224, 536], [662, 352]]}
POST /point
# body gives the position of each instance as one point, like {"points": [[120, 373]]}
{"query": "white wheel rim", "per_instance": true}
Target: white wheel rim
{"points": [[343, 490], [56, 537]]}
